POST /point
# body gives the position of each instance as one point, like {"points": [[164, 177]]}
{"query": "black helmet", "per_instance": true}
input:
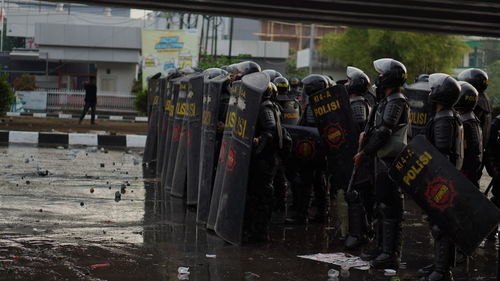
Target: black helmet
{"points": [[243, 68], [330, 80], [476, 77], [282, 85], [173, 73], [444, 89], [314, 83], [468, 97], [422, 78], [392, 73], [271, 92], [358, 80], [214, 72], [272, 73], [295, 82]]}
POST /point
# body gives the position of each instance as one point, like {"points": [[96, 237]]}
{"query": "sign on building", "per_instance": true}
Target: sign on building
{"points": [[165, 49]]}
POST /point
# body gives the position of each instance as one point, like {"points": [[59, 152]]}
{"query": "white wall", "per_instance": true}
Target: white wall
{"points": [[119, 79]]}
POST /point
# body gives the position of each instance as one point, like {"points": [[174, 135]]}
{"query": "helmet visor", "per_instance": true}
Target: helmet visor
{"points": [[437, 79]]}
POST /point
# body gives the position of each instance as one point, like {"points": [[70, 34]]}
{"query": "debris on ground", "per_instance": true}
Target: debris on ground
{"points": [[251, 276], [99, 265], [91, 190], [210, 256], [341, 259], [118, 196], [183, 273], [82, 204]]}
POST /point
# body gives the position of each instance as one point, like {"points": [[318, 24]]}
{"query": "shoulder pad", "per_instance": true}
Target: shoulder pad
{"points": [[267, 103], [356, 98], [396, 96], [467, 116], [443, 114]]}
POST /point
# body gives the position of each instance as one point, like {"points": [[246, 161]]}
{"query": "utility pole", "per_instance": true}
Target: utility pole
{"points": [[3, 29], [311, 49], [230, 37]]}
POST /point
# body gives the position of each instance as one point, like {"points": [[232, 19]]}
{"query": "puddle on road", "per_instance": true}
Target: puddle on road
{"points": [[46, 234]]}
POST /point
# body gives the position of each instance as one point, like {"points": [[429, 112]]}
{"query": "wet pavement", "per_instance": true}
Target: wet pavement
{"points": [[46, 233]]}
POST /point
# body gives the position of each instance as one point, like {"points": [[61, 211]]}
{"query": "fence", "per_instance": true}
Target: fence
{"points": [[74, 100]]}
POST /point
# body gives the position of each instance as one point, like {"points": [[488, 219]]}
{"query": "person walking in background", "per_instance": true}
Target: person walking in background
{"points": [[90, 100]]}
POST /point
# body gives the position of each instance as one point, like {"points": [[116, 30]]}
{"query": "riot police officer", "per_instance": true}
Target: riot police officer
{"points": [[357, 83], [424, 77], [445, 132], [492, 162], [262, 170], [311, 176], [473, 140], [384, 140], [479, 79]]}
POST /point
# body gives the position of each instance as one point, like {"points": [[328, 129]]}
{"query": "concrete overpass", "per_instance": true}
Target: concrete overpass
{"points": [[481, 17]]}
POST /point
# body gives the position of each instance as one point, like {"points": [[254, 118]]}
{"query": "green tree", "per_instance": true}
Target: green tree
{"points": [[291, 66], [208, 61], [6, 95], [420, 52], [493, 71]]}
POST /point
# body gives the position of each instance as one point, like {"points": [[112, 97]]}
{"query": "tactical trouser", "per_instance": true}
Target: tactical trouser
{"points": [[309, 180], [259, 199], [280, 184], [444, 257], [357, 213], [389, 204]]}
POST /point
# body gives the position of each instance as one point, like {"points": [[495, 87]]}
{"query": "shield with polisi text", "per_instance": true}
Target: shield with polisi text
{"points": [[162, 123], [212, 90], [450, 200], [308, 147], [333, 114], [180, 112], [195, 107], [420, 108], [171, 103], [224, 149], [180, 166], [229, 222], [152, 138]]}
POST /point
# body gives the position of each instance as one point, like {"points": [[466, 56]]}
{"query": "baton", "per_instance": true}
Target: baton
{"points": [[351, 195], [489, 187]]}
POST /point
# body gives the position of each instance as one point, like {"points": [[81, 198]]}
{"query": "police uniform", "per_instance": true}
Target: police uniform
{"points": [[386, 137], [262, 170], [445, 132]]}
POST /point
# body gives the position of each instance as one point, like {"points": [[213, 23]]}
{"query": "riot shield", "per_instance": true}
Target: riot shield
{"points": [[290, 110], [450, 200], [208, 150], [420, 108], [229, 221], [172, 102], [221, 164], [308, 147], [162, 123], [180, 164], [195, 108], [151, 139], [180, 109], [333, 113]]}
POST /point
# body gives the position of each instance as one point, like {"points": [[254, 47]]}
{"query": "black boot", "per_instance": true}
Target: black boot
{"points": [[376, 249], [357, 226], [391, 244], [425, 271], [444, 255]]}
